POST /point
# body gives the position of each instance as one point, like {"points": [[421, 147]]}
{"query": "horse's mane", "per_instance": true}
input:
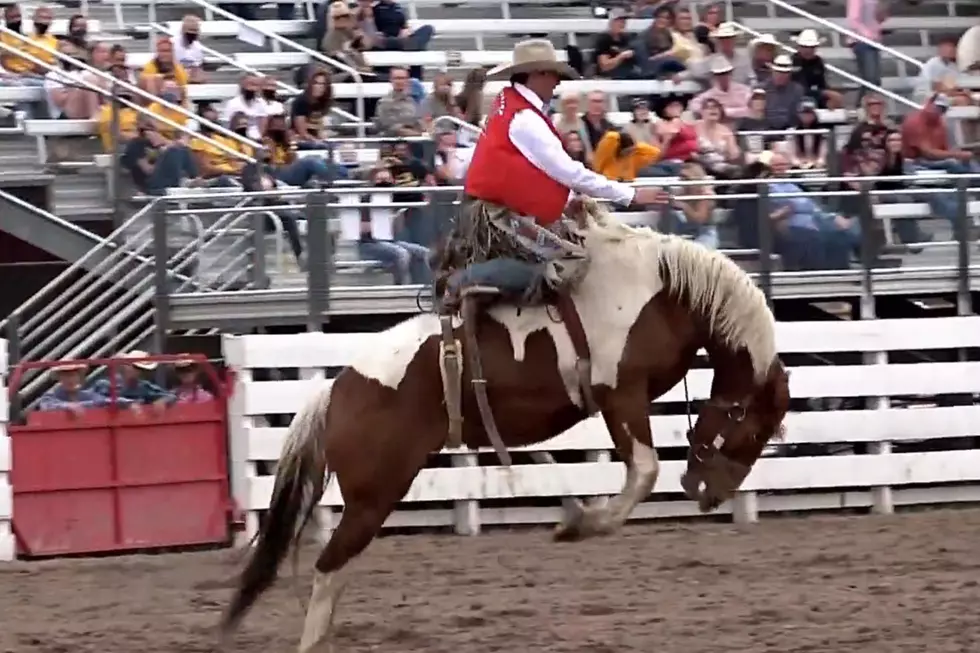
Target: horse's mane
{"points": [[712, 284]]}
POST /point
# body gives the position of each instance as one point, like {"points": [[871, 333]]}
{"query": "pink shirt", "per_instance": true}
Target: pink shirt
{"points": [[195, 395], [735, 101], [863, 18]]}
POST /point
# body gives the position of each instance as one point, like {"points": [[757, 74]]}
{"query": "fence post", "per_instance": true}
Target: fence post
{"points": [[161, 275], [318, 259], [12, 335], [964, 299], [868, 224], [115, 174], [765, 241], [260, 275]]}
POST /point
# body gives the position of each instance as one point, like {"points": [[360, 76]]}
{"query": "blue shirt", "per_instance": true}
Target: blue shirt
{"points": [[58, 399], [389, 18], [804, 209], [141, 392]]}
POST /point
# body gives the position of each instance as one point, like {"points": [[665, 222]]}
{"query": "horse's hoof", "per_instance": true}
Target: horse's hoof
{"points": [[571, 527]]}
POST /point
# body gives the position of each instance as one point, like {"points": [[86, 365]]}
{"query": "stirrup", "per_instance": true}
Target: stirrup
{"points": [[451, 370]]}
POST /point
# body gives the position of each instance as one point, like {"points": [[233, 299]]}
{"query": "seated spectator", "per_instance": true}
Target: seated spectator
{"points": [[364, 22], [725, 39], [288, 167], [154, 162], [754, 121], [20, 71], [641, 126], [61, 86], [686, 45], [78, 33], [892, 164], [620, 158], [215, 163], [711, 17], [311, 111], [162, 67], [172, 94], [807, 151], [576, 148], [440, 102], [128, 383], [261, 176], [344, 41], [811, 72], [189, 389], [678, 141], [70, 394], [419, 225], [470, 102], [940, 72], [270, 93], [656, 55], [613, 53], [394, 32], [873, 126], [926, 141], [86, 103], [188, 50], [718, 150], [783, 95], [128, 118], [762, 53], [732, 96], [398, 114], [594, 119], [399, 257], [805, 235], [693, 217], [250, 103], [451, 161]]}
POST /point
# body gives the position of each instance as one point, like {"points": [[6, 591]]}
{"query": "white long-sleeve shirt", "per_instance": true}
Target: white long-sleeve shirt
{"points": [[533, 138]]}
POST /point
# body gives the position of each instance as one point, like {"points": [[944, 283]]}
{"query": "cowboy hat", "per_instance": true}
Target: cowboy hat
{"points": [[142, 365], [782, 64], [720, 65], [532, 56], [339, 9], [725, 31], [69, 366], [764, 39], [808, 38]]}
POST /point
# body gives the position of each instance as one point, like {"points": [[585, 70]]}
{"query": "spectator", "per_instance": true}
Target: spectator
{"points": [[754, 121], [288, 167], [419, 225], [128, 118], [251, 104], [270, 93], [725, 45], [61, 85], [693, 217], [718, 150], [470, 102], [86, 104], [939, 73], [620, 158], [440, 102], [892, 164], [39, 45], [576, 148], [811, 72], [710, 22], [129, 384], [807, 151], [260, 175], [451, 161], [392, 25], [215, 163], [189, 389], [345, 41], [926, 142], [78, 33], [678, 139], [364, 20], [865, 17], [762, 53], [807, 237], [641, 126], [783, 95], [614, 55], [686, 46], [69, 394], [398, 257], [311, 111], [595, 120], [172, 94], [871, 131], [397, 113], [162, 67], [155, 163], [655, 51], [732, 96], [188, 50]]}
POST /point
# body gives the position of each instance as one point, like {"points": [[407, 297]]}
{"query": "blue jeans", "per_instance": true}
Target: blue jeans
{"points": [[703, 234], [662, 169], [174, 164], [907, 228], [868, 59], [396, 256], [663, 67], [511, 276], [952, 166], [301, 171]]}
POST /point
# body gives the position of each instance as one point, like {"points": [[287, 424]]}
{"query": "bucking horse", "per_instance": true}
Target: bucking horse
{"points": [[648, 303]]}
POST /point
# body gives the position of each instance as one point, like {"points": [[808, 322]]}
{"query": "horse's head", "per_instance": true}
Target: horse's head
{"points": [[730, 435]]}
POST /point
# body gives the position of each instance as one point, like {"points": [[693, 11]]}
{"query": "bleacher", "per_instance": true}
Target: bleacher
{"points": [[83, 192]]}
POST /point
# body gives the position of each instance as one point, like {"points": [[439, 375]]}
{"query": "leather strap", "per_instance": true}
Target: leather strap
{"points": [[576, 333]]}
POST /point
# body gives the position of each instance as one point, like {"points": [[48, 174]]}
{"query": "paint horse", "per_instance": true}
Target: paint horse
{"points": [[648, 304]]}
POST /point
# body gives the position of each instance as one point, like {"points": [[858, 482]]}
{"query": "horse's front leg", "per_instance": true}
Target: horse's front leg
{"points": [[629, 427]]}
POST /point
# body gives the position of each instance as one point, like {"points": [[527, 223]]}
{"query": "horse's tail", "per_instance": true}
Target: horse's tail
{"points": [[300, 482]]}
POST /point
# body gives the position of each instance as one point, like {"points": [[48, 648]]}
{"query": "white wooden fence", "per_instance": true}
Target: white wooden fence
{"points": [[6, 490], [453, 496]]}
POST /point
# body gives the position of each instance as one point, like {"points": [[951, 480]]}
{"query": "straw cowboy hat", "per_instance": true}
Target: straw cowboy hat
{"points": [[69, 366], [141, 365], [782, 64], [532, 56], [764, 39], [339, 10], [808, 38], [720, 65], [725, 31]]}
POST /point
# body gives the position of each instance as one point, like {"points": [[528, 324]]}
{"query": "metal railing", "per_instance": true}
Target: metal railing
{"points": [[854, 79]]}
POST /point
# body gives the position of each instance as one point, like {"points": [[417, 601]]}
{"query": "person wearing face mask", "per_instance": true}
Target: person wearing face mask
{"points": [[280, 142], [170, 93], [156, 164], [270, 93], [40, 44], [187, 48], [249, 103], [214, 162], [163, 67], [60, 85], [78, 32], [128, 120]]}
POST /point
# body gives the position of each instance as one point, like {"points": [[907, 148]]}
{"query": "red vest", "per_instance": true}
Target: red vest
{"points": [[500, 174]]}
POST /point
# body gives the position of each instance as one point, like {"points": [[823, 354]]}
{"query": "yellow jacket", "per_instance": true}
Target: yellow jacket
{"points": [[607, 164]]}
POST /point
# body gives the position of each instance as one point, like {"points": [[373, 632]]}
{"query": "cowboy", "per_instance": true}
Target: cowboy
{"points": [[520, 168]]}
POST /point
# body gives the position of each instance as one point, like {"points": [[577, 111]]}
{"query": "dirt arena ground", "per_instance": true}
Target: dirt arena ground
{"points": [[816, 585]]}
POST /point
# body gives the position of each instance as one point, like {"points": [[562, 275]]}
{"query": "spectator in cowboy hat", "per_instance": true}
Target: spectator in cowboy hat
{"points": [[732, 96], [783, 95], [725, 40], [128, 382], [811, 72], [189, 389], [762, 52], [70, 394]]}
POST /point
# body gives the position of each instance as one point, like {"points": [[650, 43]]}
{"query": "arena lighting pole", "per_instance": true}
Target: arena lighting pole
{"points": [[765, 242]]}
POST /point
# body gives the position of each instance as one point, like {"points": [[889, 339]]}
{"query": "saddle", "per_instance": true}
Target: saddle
{"points": [[549, 266]]}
